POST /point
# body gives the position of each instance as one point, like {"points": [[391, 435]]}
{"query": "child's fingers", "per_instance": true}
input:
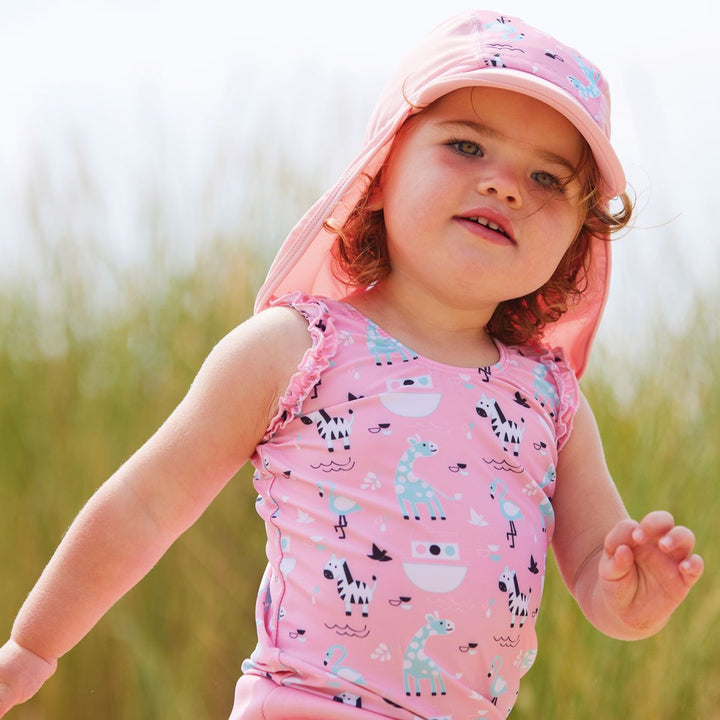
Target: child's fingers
{"points": [[621, 534], [617, 564], [678, 543], [675, 541], [618, 560], [653, 526], [692, 569]]}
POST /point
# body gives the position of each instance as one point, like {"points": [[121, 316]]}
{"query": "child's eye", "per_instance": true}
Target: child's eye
{"points": [[548, 181], [467, 147]]}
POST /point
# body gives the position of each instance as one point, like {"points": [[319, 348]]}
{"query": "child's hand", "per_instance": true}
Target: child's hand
{"points": [[22, 673], [647, 569]]}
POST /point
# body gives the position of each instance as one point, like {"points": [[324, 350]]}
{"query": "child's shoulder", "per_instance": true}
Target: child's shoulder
{"points": [[274, 340], [260, 355]]}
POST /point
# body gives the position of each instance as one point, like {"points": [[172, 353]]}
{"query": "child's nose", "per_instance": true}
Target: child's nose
{"points": [[502, 184]]}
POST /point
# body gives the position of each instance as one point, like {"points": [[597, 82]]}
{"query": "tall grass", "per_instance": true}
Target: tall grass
{"points": [[77, 398], [89, 369]]}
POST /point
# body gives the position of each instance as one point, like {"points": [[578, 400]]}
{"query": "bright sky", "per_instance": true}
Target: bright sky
{"points": [[152, 87]]}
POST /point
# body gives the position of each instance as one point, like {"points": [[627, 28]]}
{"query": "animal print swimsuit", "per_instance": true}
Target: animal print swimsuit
{"points": [[408, 514]]}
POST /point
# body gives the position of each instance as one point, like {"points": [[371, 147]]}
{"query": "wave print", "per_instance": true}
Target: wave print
{"points": [[503, 465], [349, 631], [333, 466]]}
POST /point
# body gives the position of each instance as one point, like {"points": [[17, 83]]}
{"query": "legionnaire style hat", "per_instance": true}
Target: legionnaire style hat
{"points": [[482, 49]]}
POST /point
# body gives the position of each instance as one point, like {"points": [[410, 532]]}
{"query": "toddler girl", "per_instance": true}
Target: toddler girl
{"points": [[407, 393]]}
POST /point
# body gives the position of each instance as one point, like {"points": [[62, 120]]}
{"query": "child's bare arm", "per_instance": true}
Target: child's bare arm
{"points": [[158, 493], [627, 576]]}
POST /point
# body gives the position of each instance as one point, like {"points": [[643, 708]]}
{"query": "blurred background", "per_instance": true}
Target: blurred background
{"points": [[153, 155]]}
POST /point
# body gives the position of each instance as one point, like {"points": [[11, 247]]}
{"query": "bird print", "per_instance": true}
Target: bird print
{"points": [[341, 506], [511, 512], [343, 671], [378, 554]]}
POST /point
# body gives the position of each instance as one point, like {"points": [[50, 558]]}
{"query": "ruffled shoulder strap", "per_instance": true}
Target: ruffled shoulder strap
{"points": [[315, 360], [568, 391]]}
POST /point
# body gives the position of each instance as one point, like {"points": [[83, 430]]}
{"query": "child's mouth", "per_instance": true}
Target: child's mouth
{"points": [[489, 224], [486, 222]]}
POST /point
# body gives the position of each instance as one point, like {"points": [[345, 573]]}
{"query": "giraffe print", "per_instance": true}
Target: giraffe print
{"points": [[417, 666], [411, 490], [383, 347]]}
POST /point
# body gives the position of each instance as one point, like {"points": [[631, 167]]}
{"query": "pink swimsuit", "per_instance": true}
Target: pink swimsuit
{"points": [[408, 514]]}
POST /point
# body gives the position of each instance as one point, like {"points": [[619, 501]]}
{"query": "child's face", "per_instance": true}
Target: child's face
{"points": [[480, 197]]}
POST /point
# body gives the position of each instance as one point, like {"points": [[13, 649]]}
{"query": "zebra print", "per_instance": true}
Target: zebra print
{"points": [[331, 428], [351, 591], [518, 602], [507, 431]]}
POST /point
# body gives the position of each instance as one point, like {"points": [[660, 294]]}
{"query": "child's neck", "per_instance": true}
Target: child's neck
{"points": [[450, 336]]}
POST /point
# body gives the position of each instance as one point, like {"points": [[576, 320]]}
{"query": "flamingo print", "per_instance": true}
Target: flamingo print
{"points": [[341, 506], [498, 686], [511, 512], [340, 670]]}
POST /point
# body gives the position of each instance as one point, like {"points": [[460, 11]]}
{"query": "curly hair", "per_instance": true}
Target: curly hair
{"points": [[361, 259]]}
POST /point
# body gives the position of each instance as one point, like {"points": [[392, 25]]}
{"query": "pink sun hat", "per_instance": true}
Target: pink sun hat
{"points": [[476, 48]]}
